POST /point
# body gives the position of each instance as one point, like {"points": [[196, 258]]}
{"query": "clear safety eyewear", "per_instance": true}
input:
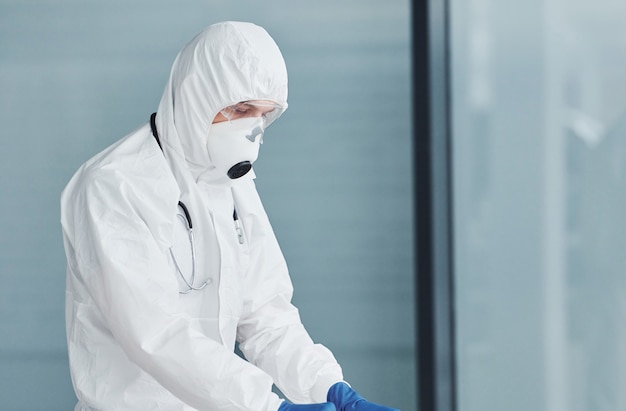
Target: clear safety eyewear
{"points": [[268, 110]]}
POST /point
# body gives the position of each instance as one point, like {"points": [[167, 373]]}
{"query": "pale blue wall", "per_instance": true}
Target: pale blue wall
{"points": [[334, 172]]}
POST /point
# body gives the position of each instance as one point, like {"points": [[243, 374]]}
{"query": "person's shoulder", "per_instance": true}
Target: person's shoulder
{"points": [[126, 154], [128, 162]]}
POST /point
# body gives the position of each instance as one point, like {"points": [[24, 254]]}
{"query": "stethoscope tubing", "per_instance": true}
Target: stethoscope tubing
{"points": [[187, 217], [190, 284]]}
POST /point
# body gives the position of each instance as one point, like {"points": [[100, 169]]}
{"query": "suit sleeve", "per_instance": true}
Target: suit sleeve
{"points": [[126, 273], [270, 333]]}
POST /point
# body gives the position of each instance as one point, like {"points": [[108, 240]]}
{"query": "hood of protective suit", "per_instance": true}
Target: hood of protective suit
{"points": [[226, 63]]}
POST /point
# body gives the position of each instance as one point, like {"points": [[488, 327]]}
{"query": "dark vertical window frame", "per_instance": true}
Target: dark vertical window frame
{"points": [[433, 206]]}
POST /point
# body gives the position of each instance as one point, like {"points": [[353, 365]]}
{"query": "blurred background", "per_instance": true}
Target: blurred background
{"points": [[334, 172], [539, 164]]}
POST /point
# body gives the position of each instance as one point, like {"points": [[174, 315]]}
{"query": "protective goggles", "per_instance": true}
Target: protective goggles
{"points": [[268, 110]]}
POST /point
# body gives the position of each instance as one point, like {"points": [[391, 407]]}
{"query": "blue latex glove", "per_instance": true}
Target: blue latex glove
{"points": [[326, 406], [346, 399]]}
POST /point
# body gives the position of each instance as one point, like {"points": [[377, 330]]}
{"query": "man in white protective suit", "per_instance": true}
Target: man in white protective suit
{"points": [[172, 260]]}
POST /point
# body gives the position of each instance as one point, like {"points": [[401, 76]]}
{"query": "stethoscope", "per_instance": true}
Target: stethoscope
{"points": [[186, 217]]}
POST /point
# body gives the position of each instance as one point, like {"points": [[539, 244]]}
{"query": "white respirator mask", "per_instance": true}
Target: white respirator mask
{"points": [[234, 145]]}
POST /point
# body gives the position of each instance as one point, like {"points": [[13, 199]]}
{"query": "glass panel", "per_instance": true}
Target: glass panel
{"points": [[539, 108]]}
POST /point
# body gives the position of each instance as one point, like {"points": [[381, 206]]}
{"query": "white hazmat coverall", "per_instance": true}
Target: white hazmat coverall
{"points": [[134, 341]]}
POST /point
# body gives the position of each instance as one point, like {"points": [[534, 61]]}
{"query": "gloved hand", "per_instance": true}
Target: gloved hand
{"points": [[346, 399], [326, 406]]}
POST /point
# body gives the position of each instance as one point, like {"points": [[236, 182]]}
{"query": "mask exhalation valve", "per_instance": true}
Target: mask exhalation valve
{"points": [[239, 170]]}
